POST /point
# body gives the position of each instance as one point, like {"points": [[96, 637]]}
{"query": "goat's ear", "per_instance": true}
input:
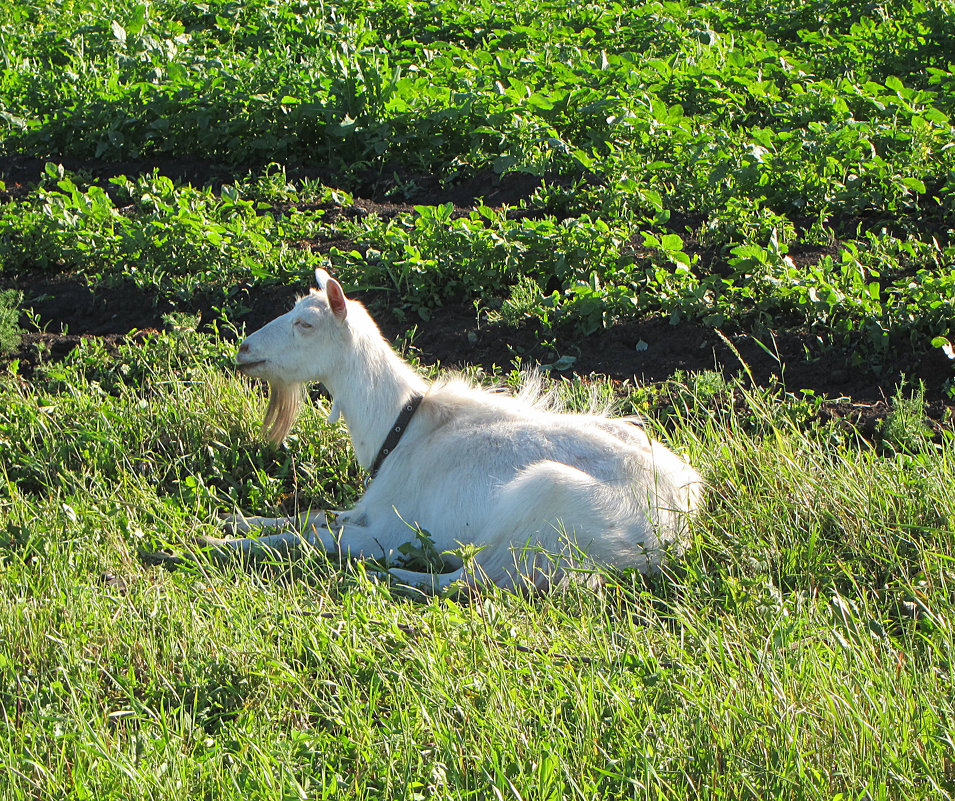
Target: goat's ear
{"points": [[321, 278], [333, 291], [336, 298]]}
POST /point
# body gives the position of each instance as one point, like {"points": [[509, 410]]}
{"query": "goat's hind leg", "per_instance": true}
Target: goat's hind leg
{"points": [[429, 583]]}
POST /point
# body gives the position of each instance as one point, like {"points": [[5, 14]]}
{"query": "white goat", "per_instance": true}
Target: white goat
{"points": [[540, 493]]}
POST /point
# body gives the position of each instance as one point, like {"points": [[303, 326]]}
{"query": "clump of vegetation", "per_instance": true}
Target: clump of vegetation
{"points": [[522, 304], [11, 301], [686, 171], [904, 429]]}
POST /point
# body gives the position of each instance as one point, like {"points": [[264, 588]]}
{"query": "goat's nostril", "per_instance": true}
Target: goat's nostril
{"points": [[243, 348]]}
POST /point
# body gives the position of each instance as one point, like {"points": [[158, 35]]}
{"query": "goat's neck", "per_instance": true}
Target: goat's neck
{"points": [[369, 391]]}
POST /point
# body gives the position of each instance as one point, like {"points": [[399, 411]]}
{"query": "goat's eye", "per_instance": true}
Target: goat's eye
{"points": [[303, 325]]}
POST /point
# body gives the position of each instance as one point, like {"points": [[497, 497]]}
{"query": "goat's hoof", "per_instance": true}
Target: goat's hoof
{"points": [[212, 543], [212, 549], [164, 559], [234, 524]]}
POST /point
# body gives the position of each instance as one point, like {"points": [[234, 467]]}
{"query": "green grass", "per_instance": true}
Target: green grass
{"points": [[803, 648]]}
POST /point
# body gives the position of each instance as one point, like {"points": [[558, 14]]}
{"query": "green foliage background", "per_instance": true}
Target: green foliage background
{"points": [[781, 164]]}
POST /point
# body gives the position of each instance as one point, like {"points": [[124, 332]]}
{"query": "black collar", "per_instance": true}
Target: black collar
{"points": [[401, 423]]}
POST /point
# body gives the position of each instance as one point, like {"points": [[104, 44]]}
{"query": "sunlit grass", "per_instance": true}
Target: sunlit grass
{"points": [[802, 648]]}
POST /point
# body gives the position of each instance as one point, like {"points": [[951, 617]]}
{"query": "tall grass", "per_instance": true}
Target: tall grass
{"points": [[802, 648]]}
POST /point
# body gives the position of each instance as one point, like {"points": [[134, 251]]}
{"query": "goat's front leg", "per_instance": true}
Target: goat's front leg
{"points": [[288, 539], [349, 540], [336, 536], [240, 524], [280, 535]]}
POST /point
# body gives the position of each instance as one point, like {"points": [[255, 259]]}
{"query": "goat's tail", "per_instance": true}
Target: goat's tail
{"points": [[285, 400]]}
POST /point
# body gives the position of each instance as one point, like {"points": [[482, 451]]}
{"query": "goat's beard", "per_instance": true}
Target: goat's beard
{"points": [[285, 400]]}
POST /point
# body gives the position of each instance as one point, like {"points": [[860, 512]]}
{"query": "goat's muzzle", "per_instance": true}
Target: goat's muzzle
{"points": [[248, 366], [242, 361]]}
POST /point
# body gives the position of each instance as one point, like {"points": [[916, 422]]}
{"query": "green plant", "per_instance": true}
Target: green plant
{"points": [[905, 430], [523, 303], [177, 240], [11, 301]]}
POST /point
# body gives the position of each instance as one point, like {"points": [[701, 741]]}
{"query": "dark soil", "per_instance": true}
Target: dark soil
{"points": [[645, 350]]}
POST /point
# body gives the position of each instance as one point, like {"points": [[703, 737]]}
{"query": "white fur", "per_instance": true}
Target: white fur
{"points": [[541, 493]]}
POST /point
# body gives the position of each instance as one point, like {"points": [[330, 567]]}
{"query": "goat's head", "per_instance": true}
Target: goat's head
{"points": [[303, 345]]}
